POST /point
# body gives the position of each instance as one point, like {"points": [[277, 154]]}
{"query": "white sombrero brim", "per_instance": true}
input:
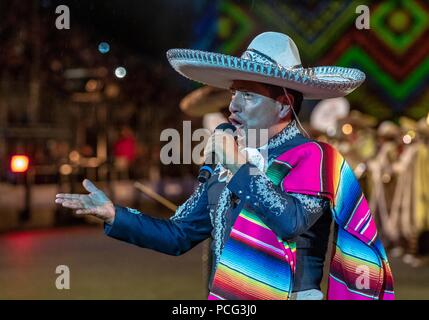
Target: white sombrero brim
{"points": [[219, 70]]}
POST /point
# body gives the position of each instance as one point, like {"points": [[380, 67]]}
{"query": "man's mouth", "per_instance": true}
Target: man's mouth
{"points": [[235, 121]]}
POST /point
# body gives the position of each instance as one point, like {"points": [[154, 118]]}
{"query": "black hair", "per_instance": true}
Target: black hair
{"points": [[277, 91]]}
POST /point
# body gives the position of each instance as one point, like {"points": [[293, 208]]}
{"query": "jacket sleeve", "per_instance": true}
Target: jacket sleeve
{"points": [[287, 214], [190, 225]]}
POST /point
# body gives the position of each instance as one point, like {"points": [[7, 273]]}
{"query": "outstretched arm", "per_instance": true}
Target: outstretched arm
{"points": [[189, 226]]}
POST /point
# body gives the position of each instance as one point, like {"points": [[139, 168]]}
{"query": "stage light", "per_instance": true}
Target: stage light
{"points": [[66, 169], [347, 129], [92, 85], [19, 163], [120, 72], [407, 139], [74, 156], [104, 47]]}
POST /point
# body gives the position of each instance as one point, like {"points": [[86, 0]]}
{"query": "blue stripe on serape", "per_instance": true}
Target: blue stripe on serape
{"points": [[352, 246], [379, 246], [348, 195], [286, 290], [250, 264]]}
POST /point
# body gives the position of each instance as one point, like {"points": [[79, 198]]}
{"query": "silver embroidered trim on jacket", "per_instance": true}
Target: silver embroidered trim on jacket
{"points": [[288, 133], [220, 222], [133, 211], [311, 204], [187, 207], [267, 195]]}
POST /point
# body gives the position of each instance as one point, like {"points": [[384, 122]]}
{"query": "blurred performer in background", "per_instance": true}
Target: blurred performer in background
{"points": [[409, 214], [383, 180], [124, 150], [209, 103], [421, 189], [269, 218], [358, 139]]}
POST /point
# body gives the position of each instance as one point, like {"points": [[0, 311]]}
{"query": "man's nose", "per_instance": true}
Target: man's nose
{"points": [[234, 105]]}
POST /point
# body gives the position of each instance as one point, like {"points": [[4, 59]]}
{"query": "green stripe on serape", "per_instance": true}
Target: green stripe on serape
{"points": [[254, 218], [276, 172]]}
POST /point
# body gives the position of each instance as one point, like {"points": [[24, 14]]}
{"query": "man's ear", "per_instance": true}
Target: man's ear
{"points": [[286, 99], [284, 110]]}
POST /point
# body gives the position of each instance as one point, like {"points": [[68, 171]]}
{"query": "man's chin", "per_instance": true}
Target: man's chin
{"points": [[241, 130], [247, 129], [257, 136]]}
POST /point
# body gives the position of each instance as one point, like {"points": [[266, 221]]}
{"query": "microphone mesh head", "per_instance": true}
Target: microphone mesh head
{"points": [[226, 126]]}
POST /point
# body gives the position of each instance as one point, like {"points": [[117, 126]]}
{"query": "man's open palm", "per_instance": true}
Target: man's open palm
{"points": [[95, 203]]}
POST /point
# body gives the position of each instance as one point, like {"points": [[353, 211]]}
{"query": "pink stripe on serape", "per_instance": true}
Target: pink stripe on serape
{"points": [[361, 221], [339, 291], [369, 230], [213, 296], [260, 237], [387, 295], [360, 211], [362, 224], [257, 244]]}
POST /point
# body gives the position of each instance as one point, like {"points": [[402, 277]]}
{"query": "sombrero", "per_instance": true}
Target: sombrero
{"points": [[326, 114], [271, 58], [205, 100]]}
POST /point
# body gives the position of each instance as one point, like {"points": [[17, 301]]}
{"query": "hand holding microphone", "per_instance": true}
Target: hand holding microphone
{"points": [[221, 148]]}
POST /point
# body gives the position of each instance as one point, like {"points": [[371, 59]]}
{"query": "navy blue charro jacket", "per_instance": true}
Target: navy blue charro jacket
{"points": [[213, 207]]}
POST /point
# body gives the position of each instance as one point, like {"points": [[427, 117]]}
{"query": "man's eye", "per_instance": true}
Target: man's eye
{"points": [[233, 92], [247, 94]]}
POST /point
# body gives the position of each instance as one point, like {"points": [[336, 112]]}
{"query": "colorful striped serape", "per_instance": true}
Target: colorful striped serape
{"points": [[256, 264]]}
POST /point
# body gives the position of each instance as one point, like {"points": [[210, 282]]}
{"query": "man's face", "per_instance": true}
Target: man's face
{"points": [[251, 107]]}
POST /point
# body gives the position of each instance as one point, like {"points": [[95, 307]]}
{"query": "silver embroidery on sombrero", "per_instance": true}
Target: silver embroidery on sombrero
{"points": [[288, 133], [187, 207], [256, 56], [336, 78]]}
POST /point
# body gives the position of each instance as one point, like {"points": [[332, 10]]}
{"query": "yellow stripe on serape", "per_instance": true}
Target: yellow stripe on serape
{"points": [[254, 287]]}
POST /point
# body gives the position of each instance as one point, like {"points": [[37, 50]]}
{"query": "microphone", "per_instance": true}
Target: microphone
{"points": [[209, 165]]}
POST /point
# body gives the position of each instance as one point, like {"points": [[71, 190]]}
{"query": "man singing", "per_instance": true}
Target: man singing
{"points": [[269, 218]]}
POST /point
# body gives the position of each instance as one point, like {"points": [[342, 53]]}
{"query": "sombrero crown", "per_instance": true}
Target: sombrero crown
{"points": [[271, 58]]}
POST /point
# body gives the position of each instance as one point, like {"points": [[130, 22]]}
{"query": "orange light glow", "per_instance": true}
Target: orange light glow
{"points": [[19, 163]]}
